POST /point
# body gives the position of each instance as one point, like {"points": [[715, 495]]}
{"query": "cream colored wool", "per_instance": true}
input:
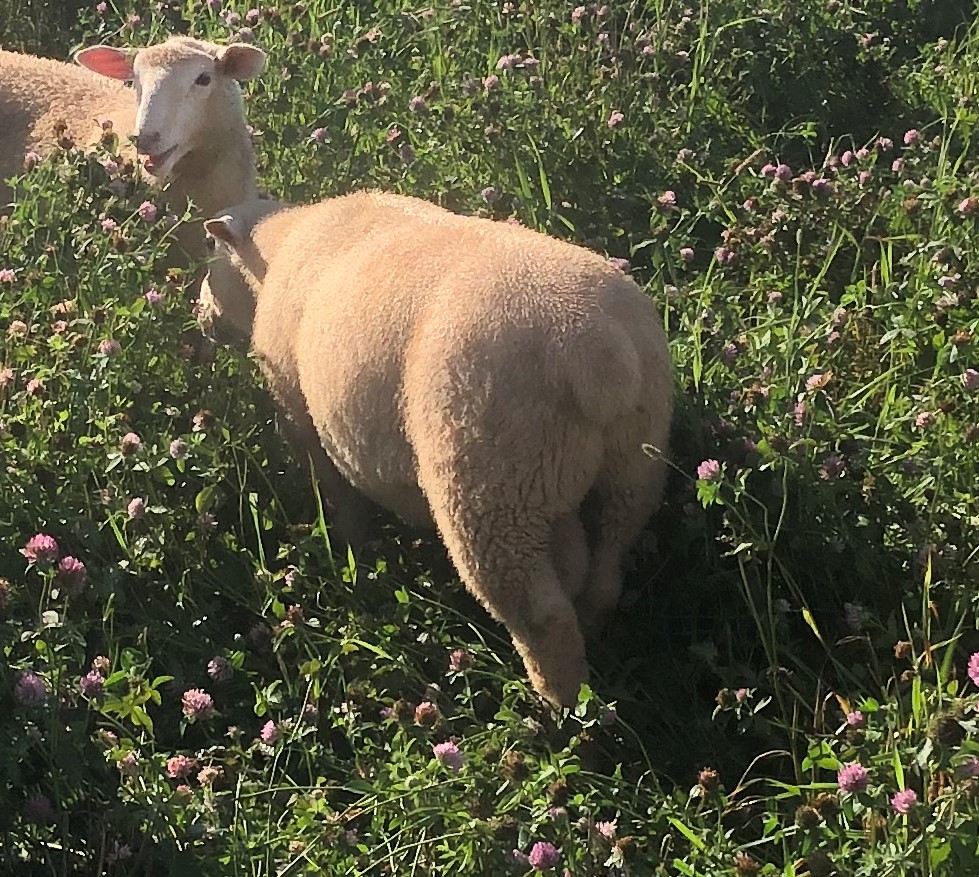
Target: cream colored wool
{"points": [[196, 132], [480, 376]]}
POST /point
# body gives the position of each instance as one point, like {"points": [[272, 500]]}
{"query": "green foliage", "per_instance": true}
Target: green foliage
{"points": [[217, 692]]}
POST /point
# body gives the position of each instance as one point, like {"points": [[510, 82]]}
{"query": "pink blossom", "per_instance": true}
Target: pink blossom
{"points": [[136, 508], [912, 136], [710, 470], [147, 211], [197, 704], [153, 297], [724, 256], [109, 347], [269, 733], [71, 573], [973, 669], [7, 275], [41, 549], [459, 660], [616, 119], [543, 856], [450, 755], [220, 669], [130, 443], [853, 777], [903, 801], [129, 764], [90, 685], [606, 829], [30, 689], [968, 206]]}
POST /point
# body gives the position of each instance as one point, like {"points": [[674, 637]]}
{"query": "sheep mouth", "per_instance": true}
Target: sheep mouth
{"points": [[155, 164]]}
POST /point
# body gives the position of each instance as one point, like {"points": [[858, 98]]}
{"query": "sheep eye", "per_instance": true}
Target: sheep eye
{"points": [[203, 79], [210, 243]]}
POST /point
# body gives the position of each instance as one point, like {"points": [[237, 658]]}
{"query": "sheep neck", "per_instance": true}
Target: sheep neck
{"points": [[217, 178]]}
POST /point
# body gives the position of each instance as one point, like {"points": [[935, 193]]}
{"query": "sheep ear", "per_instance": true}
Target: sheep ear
{"points": [[241, 61], [107, 61], [224, 228]]}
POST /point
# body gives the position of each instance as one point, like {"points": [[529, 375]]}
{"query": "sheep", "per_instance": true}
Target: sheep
{"points": [[186, 118], [479, 376]]}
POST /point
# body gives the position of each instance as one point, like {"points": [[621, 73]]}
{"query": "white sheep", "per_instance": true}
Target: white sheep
{"points": [[184, 113], [482, 376]]}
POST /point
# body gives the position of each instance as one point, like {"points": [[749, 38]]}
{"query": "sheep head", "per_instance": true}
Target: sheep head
{"points": [[236, 270], [185, 89]]}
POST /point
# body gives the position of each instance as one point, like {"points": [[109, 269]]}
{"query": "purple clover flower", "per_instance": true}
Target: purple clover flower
{"points": [[904, 801], [459, 660], [197, 704], [30, 689], [41, 549], [450, 755], [91, 684], [973, 669], [219, 669], [543, 856], [71, 574], [710, 470], [853, 777], [180, 766]]}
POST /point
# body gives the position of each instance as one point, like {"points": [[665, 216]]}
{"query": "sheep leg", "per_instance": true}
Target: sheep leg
{"points": [[509, 568], [625, 496], [570, 554], [349, 510]]}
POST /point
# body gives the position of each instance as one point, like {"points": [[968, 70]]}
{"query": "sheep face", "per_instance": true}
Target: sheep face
{"points": [[226, 305], [181, 92]]}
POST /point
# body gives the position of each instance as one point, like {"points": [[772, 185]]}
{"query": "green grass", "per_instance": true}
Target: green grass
{"points": [[822, 336]]}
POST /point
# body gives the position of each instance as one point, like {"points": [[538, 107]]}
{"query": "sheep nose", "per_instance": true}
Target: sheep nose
{"points": [[146, 143]]}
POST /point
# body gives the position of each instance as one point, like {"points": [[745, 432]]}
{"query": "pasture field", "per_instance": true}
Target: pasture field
{"points": [[194, 683]]}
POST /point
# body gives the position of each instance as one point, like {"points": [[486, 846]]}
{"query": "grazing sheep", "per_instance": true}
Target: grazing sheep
{"points": [[480, 375], [186, 116]]}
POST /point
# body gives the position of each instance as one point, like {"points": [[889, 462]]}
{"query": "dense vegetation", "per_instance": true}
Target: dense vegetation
{"points": [[194, 683]]}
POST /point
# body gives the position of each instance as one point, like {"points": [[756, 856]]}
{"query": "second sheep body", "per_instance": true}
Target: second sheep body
{"points": [[487, 379]]}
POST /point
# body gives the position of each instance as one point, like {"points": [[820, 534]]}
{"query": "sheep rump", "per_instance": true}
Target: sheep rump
{"points": [[487, 379]]}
